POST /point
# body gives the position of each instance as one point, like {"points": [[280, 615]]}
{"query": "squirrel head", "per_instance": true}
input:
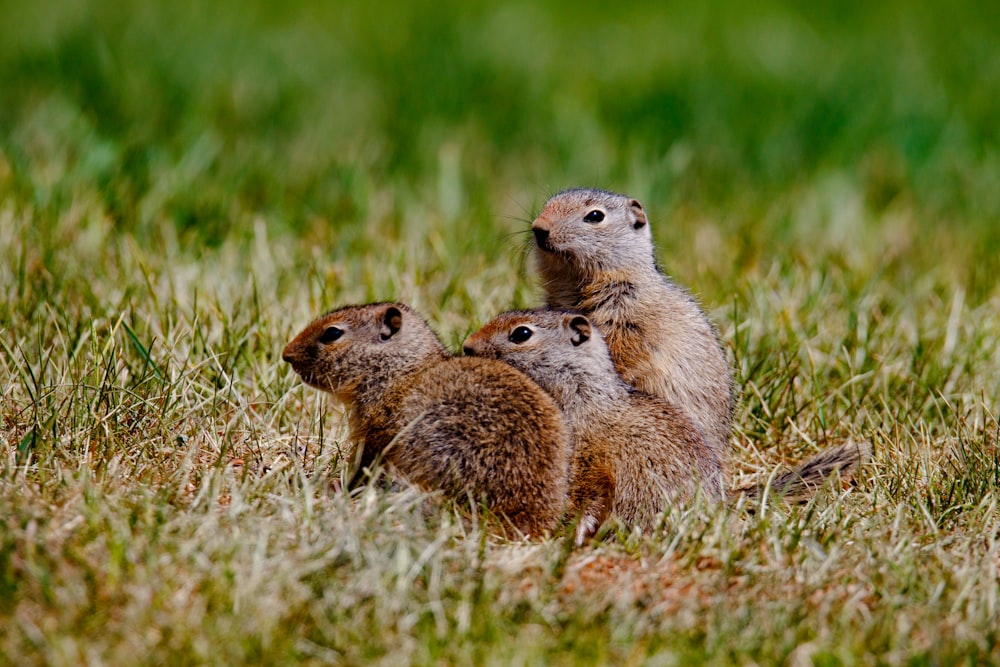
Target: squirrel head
{"points": [[560, 350], [590, 233], [361, 346]]}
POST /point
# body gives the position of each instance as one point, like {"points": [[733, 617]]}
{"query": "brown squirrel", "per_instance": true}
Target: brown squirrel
{"points": [[632, 452], [595, 254], [475, 428]]}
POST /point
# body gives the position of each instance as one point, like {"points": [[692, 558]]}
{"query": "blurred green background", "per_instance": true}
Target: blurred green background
{"points": [[782, 127]]}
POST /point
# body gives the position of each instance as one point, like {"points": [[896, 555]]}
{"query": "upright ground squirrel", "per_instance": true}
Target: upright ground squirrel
{"points": [[594, 252]]}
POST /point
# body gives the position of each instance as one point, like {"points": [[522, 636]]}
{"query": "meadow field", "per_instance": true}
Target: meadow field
{"points": [[184, 185]]}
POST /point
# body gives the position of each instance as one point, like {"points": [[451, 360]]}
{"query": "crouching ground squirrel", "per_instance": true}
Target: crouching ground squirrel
{"points": [[632, 451], [594, 252], [475, 428]]}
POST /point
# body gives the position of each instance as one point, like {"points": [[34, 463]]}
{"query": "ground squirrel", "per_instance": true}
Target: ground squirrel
{"points": [[631, 451], [594, 252], [475, 428]]}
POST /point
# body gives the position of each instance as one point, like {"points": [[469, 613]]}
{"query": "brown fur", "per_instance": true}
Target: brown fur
{"points": [[474, 428], [661, 341], [632, 452]]}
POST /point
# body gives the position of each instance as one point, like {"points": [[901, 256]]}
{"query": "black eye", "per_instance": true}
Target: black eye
{"points": [[594, 216], [520, 334], [331, 334]]}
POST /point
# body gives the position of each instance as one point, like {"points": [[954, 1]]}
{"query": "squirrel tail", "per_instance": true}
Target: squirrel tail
{"points": [[801, 483]]}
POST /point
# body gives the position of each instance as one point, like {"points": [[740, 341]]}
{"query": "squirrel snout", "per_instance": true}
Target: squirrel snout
{"points": [[468, 351], [541, 238], [286, 355]]}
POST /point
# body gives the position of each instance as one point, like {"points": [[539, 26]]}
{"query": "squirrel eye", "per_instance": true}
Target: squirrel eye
{"points": [[594, 216], [331, 334], [520, 334]]}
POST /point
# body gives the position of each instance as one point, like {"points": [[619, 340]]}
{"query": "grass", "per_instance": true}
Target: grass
{"points": [[183, 186]]}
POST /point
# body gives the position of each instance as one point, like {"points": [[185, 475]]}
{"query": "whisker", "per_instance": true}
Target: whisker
{"points": [[526, 221], [531, 214], [523, 252]]}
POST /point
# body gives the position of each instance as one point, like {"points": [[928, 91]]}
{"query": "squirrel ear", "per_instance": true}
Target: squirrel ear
{"points": [[640, 215], [392, 321], [580, 328]]}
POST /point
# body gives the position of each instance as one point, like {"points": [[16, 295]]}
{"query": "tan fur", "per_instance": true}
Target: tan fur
{"points": [[475, 428], [661, 341], [632, 452]]}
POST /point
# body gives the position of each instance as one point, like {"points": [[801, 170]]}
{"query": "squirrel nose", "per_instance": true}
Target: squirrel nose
{"points": [[541, 235], [469, 352], [286, 356]]}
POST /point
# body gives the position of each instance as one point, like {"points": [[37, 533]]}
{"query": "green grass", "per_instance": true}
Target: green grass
{"points": [[185, 185]]}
